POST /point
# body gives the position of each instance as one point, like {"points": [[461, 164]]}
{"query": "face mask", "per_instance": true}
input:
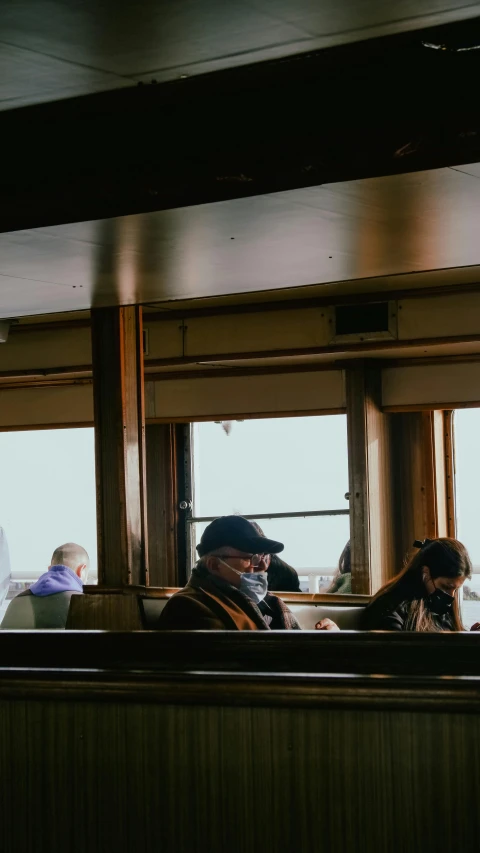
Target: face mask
{"points": [[252, 584], [439, 602]]}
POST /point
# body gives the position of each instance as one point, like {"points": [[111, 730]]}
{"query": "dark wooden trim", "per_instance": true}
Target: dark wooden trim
{"points": [[164, 314], [40, 374], [229, 372], [117, 350], [242, 416], [138, 168], [449, 434], [35, 427], [460, 358], [300, 302], [252, 652], [358, 479], [43, 372], [428, 407], [50, 326], [362, 692], [162, 501], [214, 372], [41, 383], [370, 481], [330, 349], [166, 592], [142, 453]]}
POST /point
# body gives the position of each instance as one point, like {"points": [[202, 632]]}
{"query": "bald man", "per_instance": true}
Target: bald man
{"points": [[46, 603]]}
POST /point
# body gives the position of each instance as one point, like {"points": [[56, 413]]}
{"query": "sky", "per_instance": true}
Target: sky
{"points": [[267, 465], [47, 494], [467, 476], [278, 465]]}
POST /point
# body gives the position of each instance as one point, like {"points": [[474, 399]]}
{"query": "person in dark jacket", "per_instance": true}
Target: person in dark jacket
{"points": [[281, 576], [228, 589], [46, 603], [424, 595]]}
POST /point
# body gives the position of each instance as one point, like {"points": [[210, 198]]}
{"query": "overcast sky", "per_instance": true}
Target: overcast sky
{"points": [[275, 465]]}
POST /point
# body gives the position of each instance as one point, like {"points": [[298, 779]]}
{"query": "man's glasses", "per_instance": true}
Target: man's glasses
{"points": [[253, 560]]}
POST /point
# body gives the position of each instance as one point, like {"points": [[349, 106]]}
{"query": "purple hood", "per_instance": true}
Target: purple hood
{"points": [[57, 579]]}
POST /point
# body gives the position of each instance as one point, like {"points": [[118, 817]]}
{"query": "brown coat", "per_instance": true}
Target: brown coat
{"points": [[202, 605]]}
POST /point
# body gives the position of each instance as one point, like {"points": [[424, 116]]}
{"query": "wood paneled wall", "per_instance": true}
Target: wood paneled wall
{"points": [[371, 486], [422, 479], [239, 763], [162, 501]]}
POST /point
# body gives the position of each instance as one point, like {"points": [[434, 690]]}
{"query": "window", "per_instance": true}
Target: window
{"points": [[288, 474], [467, 461], [47, 498]]}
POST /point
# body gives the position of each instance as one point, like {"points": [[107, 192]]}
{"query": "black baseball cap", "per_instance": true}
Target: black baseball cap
{"points": [[236, 532]]}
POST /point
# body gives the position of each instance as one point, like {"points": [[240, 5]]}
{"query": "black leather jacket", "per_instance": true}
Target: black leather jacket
{"points": [[388, 614]]}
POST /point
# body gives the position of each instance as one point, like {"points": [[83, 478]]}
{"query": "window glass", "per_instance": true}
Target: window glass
{"points": [[47, 498], [312, 546], [467, 462], [271, 465], [278, 465]]}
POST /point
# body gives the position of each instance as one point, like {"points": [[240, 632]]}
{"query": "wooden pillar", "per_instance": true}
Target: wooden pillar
{"points": [[370, 482], [117, 357], [162, 503], [423, 476]]}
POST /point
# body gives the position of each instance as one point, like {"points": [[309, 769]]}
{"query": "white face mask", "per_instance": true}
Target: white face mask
{"points": [[252, 584]]}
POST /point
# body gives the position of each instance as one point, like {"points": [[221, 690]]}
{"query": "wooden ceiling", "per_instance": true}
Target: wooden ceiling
{"points": [[353, 165], [354, 231], [51, 50]]}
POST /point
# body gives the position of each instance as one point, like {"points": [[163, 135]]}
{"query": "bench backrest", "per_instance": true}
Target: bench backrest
{"points": [[347, 618]]}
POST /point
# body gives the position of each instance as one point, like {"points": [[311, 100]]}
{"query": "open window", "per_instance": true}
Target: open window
{"points": [[290, 475], [467, 464], [47, 498]]}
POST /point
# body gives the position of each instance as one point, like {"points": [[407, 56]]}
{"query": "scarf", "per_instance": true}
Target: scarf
{"points": [[201, 578], [57, 579]]}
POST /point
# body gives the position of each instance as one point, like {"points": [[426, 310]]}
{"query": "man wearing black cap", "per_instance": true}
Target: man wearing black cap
{"points": [[228, 586]]}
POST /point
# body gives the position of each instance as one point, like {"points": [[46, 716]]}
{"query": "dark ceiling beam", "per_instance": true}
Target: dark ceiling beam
{"points": [[381, 107]]}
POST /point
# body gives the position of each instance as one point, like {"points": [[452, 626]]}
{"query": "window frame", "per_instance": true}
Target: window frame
{"points": [[186, 503]]}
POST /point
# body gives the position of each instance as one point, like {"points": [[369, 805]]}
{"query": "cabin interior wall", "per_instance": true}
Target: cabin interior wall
{"points": [[162, 502], [204, 768], [371, 489]]}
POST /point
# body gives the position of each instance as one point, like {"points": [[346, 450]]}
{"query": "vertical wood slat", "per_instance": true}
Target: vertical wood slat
{"points": [[440, 473], [162, 500], [117, 358], [423, 473], [448, 427], [371, 487], [357, 472], [409, 474]]}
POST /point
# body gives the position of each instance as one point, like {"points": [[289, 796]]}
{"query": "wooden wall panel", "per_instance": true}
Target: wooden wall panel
{"points": [[265, 330], [371, 487], [50, 406], [103, 776], [120, 445], [448, 315], [50, 348], [423, 479], [162, 501], [295, 393], [440, 385]]}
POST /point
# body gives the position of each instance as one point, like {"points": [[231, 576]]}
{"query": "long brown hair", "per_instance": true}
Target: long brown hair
{"points": [[446, 558]]}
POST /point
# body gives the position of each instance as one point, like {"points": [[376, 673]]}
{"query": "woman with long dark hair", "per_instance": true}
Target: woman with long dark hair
{"points": [[424, 595], [342, 579]]}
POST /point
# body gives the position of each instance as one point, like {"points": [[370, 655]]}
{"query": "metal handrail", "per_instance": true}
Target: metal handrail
{"points": [[307, 514]]}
